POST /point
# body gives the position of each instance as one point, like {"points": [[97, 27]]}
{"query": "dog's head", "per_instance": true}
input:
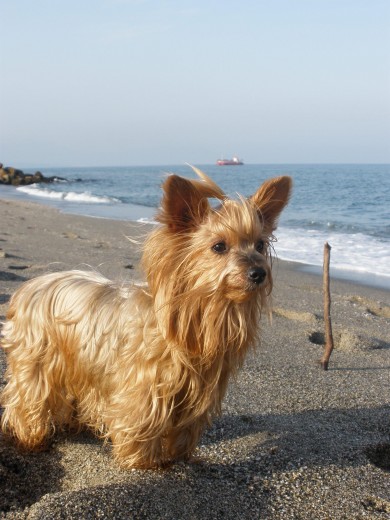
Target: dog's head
{"points": [[223, 249], [209, 267]]}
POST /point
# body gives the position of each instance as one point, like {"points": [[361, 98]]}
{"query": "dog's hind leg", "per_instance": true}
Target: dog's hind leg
{"points": [[31, 396], [26, 411]]}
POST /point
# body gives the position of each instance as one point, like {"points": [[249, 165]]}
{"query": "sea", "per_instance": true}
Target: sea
{"points": [[346, 205]]}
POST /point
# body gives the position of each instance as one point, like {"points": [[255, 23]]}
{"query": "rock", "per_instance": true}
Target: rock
{"points": [[15, 177]]}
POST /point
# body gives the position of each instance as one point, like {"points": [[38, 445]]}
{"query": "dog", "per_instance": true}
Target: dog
{"points": [[146, 367]]}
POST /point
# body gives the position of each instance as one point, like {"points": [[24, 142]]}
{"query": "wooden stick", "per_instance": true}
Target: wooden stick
{"points": [[328, 323]]}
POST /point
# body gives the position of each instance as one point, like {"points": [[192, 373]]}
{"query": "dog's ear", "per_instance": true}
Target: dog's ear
{"points": [[270, 199], [184, 204]]}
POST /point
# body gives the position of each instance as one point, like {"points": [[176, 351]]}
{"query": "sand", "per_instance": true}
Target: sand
{"points": [[293, 441]]}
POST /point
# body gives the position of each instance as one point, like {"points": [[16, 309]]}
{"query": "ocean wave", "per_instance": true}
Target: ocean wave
{"points": [[380, 230], [146, 220], [70, 196], [350, 252]]}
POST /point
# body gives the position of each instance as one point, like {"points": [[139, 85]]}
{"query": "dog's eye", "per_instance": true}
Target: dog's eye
{"points": [[220, 247], [260, 246]]}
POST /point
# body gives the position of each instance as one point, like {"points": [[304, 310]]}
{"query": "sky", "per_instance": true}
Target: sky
{"points": [[146, 82]]}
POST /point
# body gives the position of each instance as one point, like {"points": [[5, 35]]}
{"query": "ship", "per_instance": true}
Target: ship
{"points": [[234, 161]]}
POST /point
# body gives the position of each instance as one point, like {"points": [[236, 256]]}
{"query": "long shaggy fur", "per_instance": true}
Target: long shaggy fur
{"points": [[146, 367]]}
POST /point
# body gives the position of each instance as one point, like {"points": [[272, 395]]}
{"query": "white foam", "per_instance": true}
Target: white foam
{"points": [[70, 196], [352, 252], [146, 220]]}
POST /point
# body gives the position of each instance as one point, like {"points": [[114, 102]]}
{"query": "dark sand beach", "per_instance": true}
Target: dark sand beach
{"points": [[293, 442]]}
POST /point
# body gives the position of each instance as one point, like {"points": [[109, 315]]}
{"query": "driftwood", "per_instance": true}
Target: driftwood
{"points": [[327, 319]]}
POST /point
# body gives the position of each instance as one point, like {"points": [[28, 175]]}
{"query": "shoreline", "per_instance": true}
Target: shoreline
{"points": [[293, 441], [131, 213], [352, 277]]}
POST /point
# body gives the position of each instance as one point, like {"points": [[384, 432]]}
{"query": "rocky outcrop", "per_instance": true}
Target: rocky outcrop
{"points": [[15, 177]]}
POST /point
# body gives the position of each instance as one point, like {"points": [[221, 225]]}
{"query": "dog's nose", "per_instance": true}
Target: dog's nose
{"points": [[257, 275]]}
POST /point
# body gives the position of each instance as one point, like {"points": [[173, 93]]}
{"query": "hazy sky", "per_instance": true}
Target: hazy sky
{"points": [[131, 82]]}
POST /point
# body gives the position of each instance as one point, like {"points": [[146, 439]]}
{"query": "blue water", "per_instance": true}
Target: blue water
{"points": [[346, 205]]}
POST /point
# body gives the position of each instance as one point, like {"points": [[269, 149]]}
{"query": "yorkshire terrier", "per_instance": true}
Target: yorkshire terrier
{"points": [[147, 366]]}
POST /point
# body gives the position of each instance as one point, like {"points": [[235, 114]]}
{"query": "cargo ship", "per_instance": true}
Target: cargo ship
{"points": [[234, 161]]}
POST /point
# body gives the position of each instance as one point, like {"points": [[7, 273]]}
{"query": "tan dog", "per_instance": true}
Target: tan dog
{"points": [[146, 367]]}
